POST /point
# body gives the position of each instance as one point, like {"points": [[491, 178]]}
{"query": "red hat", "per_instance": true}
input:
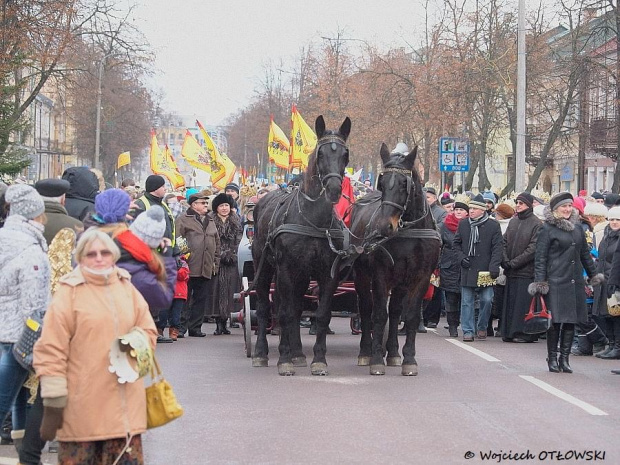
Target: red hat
{"points": [[579, 204], [583, 193]]}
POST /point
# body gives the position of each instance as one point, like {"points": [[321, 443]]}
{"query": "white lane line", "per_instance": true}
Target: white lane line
{"points": [[468, 348], [591, 409], [7, 461]]}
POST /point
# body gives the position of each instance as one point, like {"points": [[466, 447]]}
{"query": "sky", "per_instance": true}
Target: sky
{"points": [[211, 55]]}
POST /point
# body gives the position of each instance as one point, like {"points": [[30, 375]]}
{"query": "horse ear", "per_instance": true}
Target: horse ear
{"points": [[319, 126], [385, 153], [410, 158], [345, 128]]}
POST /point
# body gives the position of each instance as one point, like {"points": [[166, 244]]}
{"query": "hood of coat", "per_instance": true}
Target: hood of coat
{"points": [[84, 183], [561, 223], [17, 234]]}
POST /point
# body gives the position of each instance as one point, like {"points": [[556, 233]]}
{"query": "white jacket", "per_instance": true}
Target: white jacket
{"points": [[24, 275]]}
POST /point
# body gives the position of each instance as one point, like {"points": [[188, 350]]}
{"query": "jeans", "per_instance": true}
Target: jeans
{"points": [[12, 377], [171, 316], [468, 295]]}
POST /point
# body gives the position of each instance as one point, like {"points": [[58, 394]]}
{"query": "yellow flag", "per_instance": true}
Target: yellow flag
{"points": [[218, 170], [194, 154], [230, 169], [278, 146], [163, 163], [123, 159], [303, 140]]}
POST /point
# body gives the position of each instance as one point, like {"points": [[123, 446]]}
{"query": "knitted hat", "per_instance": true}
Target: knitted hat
{"points": [[583, 193], [154, 182], [220, 199], [597, 195], [478, 202], [560, 199], [150, 226], [612, 200], [526, 198], [24, 200], [595, 209], [579, 203], [489, 196], [504, 210], [461, 205], [613, 213], [112, 205], [446, 199], [189, 192], [232, 186], [52, 187]]}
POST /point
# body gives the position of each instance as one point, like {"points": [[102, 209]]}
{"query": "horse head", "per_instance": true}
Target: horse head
{"points": [[398, 182], [331, 156]]}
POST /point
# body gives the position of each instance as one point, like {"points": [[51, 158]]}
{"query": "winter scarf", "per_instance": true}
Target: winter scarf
{"points": [[139, 250], [452, 222], [525, 213], [474, 237]]}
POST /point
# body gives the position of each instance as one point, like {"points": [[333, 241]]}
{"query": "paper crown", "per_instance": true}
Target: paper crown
{"points": [[131, 356]]}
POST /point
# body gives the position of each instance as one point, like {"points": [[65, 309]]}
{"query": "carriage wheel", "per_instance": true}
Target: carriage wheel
{"points": [[247, 317]]}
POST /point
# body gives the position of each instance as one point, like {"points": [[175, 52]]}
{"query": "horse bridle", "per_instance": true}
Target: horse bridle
{"points": [[407, 174], [334, 140]]}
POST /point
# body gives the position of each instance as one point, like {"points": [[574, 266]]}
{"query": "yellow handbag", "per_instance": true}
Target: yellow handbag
{"points": [[161, 403]]}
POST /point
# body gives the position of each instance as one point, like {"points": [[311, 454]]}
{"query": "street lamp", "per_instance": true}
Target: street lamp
{"points": [[520, 175], [98, 122]]}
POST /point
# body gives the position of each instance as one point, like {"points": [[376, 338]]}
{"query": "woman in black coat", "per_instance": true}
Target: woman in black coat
{"points": [[562, 254], [609, 264]]}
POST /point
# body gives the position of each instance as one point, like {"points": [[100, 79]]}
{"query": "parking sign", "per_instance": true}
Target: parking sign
{"points": [[453, 154]]}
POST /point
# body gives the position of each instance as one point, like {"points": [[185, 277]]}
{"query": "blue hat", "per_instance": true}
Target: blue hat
{"points": [[112, 205], [489, 196]]}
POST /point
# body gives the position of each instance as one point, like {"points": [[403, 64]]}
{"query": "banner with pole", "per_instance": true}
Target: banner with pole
{"points": [[303, 140], [162, 163]]}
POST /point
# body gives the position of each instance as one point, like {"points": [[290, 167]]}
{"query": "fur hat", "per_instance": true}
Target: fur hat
{"points": [[150, 226], [221, 199], [112, 205], [154, 182], [505, 210], [560, 199], [478, 202], [613, 213], [24, 200], [595, 209], [526, 198]]}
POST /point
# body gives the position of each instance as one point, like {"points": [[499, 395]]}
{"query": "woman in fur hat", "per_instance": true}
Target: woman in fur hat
{"points": [[227, 281], [562, 254]]}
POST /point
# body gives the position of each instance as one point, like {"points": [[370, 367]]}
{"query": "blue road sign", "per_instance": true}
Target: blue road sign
{"points": [[453, 154]]}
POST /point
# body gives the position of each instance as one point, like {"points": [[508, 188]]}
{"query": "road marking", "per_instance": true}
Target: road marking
{"points": [[592, 410], [468, 348], [7, 461]]}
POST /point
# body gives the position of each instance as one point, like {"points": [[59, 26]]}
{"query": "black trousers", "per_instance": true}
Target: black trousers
{"points": [[193, 314], [32, 445], [432, 310]]}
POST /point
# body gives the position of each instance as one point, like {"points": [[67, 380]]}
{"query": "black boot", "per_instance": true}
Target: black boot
{"points": [[566, 341], [223, 327], [553, 335], [453, 323], [218, 328]]}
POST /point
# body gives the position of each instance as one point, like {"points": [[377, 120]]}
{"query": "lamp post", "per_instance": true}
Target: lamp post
{"points": [[98, 122], [520, 175]]}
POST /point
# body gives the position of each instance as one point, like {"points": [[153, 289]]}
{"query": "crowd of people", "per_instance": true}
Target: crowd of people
{"points": [[158, 265]]}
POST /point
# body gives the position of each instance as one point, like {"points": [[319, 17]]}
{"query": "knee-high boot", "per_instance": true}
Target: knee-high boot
{"points": [[553, 334], [614, 352], [566, 341], [223, 327]]}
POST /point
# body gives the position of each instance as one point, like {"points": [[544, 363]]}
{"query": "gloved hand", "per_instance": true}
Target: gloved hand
{"points": [[465, 263], [506, 265], [611, 290], [494, 274], [52, 422]]}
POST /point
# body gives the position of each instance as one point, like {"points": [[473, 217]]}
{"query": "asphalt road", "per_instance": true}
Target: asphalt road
{"points": [[460, 409]]}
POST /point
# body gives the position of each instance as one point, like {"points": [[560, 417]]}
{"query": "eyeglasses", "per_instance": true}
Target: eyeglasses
{"points": [[104, 254], [520, 203]]}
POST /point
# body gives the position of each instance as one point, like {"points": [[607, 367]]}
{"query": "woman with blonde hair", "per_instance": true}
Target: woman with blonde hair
{"points": [[96, 415]]}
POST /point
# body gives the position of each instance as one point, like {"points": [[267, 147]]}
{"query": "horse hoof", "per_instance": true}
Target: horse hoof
{"points": [[319, 369], [300, 362], [393, 361], [363, 361], [286, 369], [260, 362], [410, 370], [377, 369]]}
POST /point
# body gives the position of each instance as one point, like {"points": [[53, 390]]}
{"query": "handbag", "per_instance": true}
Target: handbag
{"points": [[161, 404], [23, 348], [537, 322], [613, 306]]}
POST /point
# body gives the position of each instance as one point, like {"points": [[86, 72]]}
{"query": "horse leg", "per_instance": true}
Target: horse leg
{"points": [[297, 354], [263, 314], [289, 300], [395, 309], [327, 287], [379, 319], [411, 314], [364, 298]]}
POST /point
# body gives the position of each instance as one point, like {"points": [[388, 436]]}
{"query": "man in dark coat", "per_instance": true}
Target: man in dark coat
{"points": [[155, 188], [478, 242], [518, 262], [81, 195], [53, 192]]}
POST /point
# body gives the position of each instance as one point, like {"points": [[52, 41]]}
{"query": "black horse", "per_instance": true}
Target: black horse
{"points": [[403, 244], [296, 239]]}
